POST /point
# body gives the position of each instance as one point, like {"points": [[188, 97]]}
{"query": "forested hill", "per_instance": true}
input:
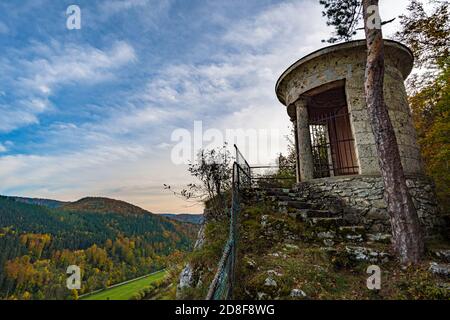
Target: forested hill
{"points": [[112, 241], [104, 205], [42, 202], [185, 217]]}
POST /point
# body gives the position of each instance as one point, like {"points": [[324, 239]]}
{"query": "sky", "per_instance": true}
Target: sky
{"points": [[92, 112]]}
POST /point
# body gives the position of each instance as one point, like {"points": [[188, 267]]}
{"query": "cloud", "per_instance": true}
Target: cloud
{"points": [[147, 11], [42, 69], [236, 90], [58, 170], [131, 173], [3, 28], [117, 6], [74, 64], [12, 119]]}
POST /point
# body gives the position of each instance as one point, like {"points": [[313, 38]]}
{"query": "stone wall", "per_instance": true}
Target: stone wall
{"points": [[399, 113], [360, 200]]}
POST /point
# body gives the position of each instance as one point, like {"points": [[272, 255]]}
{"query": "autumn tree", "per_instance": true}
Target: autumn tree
{"points": [[406, 229], [213, 171], [287, 163], [428, 36]]}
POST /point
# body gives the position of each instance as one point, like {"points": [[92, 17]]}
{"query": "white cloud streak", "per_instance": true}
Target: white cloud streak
{"points": [[36, 80]]}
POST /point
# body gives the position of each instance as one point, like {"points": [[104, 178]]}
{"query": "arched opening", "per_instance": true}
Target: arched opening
{"points": [[332, 141]]}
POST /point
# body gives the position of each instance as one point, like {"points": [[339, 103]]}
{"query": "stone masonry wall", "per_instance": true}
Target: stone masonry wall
{"points": [[400, 115], [360, 200]]}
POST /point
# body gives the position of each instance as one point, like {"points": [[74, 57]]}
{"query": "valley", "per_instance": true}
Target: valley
{"points": [[111, 241]]}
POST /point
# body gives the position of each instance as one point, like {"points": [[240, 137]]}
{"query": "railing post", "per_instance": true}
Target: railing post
{"points": [[238, 177]]}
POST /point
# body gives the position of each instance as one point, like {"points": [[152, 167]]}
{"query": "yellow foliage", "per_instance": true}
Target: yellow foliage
{"points": [[431, 114]]}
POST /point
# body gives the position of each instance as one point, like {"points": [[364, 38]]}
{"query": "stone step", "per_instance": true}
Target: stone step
{"points": [[343, 231], [304, 214], [442, 255], [379, 237], [274, 191], [367, 254], [313, 213], [352, 236], [294, 204], [327, 223], [352, 233], [328, 238], [356, 254], [440, 269], [360, 254], [283, 198]]}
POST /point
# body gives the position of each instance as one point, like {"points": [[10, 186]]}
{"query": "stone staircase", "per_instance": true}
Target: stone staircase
{"points": [[327, 228], [286, 239], [340, 239]]}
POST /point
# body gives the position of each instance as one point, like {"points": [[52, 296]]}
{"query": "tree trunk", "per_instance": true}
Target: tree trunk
{"points": [[406, 229]]}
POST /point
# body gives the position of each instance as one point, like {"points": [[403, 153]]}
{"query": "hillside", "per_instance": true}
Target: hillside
{"points": [[290, 249], [111, 240], [306, 254], [191, 218]]}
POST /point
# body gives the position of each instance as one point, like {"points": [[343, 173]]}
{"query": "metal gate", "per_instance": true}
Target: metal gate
{"points": [[332, 144]]}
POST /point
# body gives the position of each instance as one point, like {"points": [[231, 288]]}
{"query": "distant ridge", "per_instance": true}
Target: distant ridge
{"points": [[107, 205], [104, 205], [185, 217], [53, 204]]}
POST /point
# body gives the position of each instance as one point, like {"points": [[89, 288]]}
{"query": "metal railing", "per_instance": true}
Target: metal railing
{"points": [[243, 170], [221, 287], [268, 175], [275, 174]]}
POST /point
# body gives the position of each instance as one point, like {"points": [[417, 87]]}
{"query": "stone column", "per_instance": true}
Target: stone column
{"points": [[297, 167], [304, 141]]}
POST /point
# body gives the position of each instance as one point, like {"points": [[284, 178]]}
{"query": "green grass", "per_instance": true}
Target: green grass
{"points": [[126, 291]]}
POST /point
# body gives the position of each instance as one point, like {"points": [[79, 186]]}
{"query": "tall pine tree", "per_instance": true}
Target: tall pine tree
{"points": [[406, 229]]}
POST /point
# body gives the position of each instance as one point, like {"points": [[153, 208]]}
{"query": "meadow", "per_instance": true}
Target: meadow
{"points": [[127, 290]]}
